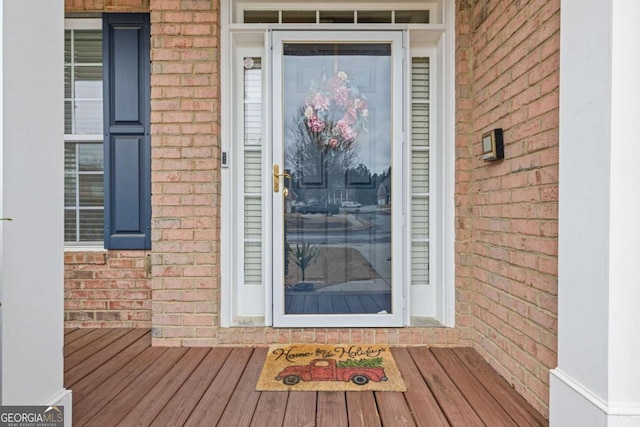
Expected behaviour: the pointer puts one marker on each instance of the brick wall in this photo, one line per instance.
(106, 289)
(508, 76)
(185, 171)
(71, 6)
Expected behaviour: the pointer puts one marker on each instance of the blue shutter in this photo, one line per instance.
(127, 145)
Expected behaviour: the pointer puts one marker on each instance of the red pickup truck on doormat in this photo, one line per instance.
(330, 370)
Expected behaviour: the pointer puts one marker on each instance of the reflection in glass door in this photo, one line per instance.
(334, 237)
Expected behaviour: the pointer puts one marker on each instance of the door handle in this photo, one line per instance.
(6, 219)
(276, 178)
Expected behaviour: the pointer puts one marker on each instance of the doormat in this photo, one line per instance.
(318, 367)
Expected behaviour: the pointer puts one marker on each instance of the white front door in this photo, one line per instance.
(337, 178)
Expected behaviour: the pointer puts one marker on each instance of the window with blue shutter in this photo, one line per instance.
(127, 145)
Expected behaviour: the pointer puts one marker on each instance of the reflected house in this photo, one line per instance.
(384, 193)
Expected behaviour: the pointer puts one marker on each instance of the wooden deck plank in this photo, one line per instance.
(86, 366)
(423, 404)
(270, 409)
(362, 410)
(453, 403)
(393, 409)
(178, 409)
(487, 408)
(242, 404)
(93, 347)
(124, 402)
(101, 374)
(74, 334)
(332, 409)
(69, 330)
(515, 405)
(301, 409)
(152, 403)
(85, 340)
(103, 393)
(215, 399)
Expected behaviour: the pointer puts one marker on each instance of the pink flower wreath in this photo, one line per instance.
(335, 112)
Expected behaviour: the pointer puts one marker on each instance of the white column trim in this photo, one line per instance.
(611, 408)
(63, 398)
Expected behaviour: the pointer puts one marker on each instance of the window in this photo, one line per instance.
(83, 159)
(107, 143)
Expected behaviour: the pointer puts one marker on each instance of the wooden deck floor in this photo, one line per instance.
(117, 378)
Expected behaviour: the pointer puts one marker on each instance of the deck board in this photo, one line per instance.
(128, 382)
(242, 404)
(423, 404)
(96, 400)
(101, 374)
(270, 410)
(362, 409)
(215, 399)
(97, 337)
(81, 363)
(332, 409)
(453, 403)
(487, 408)
(125, 401)
(393, 409)
(517, 407)
(301, 409)
(74, 334)
(179, 408)
(152, 403)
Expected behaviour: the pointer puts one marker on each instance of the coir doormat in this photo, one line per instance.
(317, 367)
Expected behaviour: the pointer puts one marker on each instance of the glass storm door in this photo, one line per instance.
(336, 178)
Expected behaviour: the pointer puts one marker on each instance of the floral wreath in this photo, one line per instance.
(335, 112)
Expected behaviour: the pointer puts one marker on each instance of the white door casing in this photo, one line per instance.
(246, 293)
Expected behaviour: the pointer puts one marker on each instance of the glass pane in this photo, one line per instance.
(70, 224)
(68, 125)
(252, 101)
(336, 17)
(88, 106)
(67, 82)
(299, 17)
(69, 190)
(91, 225)
(70, 157)
(374, 17)
(67, 46)
(91, 190)
(337, 112)
(412, 16)
(89, 74)
(88, 46)
(261, 16)
(90, 157)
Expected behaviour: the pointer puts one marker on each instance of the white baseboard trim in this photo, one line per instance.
(571, 403)
(63, 398)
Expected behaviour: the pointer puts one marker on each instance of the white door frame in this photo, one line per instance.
(398, 301)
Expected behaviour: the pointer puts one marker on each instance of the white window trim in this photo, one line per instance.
(442, 153)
